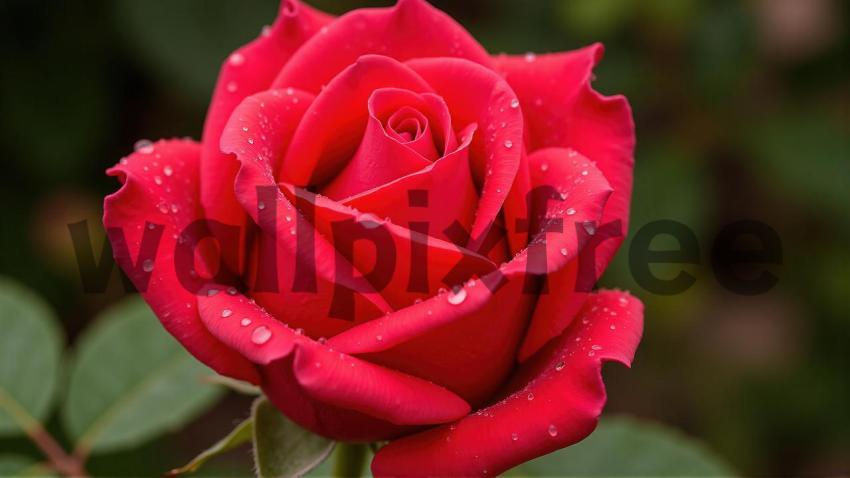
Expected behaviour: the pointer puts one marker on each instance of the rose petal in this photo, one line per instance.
(334, 124)
(160, 190)
(472, 367)
(442, 257)
(445, 187)
(332, 380)
(258, 132)
(410, 29)
(554, 401)
(562, 110)
(476, 94)
(248, 70)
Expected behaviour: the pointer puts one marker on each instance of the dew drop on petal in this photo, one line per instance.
(226, 313)
(514, 436)
(379, 338)
(261, 335)
(232, 87)
(212, 292)
(167, 170)
(147, 266)
(564, 251)
(143, 146)
(553, 431)
(530, 57)
(236, 59)
(457, 297)
(245, 322)
(530, 396)
(509, 144)
(571, 212)
(514, 103)
(560, 366)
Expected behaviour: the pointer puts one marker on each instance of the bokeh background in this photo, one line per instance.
(742, 111)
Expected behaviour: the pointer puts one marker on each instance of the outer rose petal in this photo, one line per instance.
(160, 195)
(562, 169)
(562, 110)
(554, 401)
(410, 29)
(340, 384)
(248, 70)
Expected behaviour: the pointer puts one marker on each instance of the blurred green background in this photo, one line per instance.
(742, 111)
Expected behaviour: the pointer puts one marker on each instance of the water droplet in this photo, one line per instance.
(212, 292)
(226, 313)
(143, 146)
(514, 436)
(613, 327)
(147, 266)
(544, 167)
(530, 396)
(232, 290)
(232, 87)
(596, 347)
(584, 172)
(589, 227)
(290, 91)
(553, 431)
(564, 251)
(379, 338)
(509, 144)
(261, 335)
(237, 59)
(457, 297)
(250, 140)
(530, 57)
(261, 205)
(514, 103)
(560, 366)
(591, 353)
(245, 322)
(299, 331)
(571, 212)
(157, 180)
(167, 170)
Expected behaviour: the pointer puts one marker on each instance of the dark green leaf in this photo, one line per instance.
(131, 381)
(627, 447)
(17, 466)
(30, 348)
(282, 448)
(239, 435)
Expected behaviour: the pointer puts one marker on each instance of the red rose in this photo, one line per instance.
(490, 176)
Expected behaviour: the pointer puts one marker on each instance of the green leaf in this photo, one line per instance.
(238, 386)
(243, 433)
(628, 447)
(30, 349)
(19, 466)
(282, 448)
(131, 382)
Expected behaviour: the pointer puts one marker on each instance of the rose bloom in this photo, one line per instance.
(388, 230)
